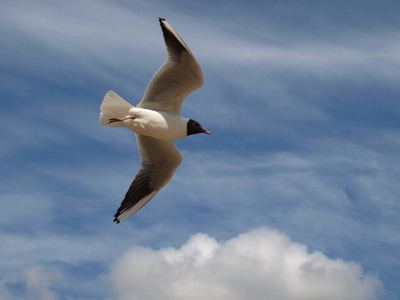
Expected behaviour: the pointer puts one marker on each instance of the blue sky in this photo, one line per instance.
(295, 195)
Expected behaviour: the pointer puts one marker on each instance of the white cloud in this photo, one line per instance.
(305, 193)
(38, 281)
(260, 264)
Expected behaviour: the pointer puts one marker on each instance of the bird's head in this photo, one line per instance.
(194, 127)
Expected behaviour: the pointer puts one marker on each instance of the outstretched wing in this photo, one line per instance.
(159, 160)
(177, 77)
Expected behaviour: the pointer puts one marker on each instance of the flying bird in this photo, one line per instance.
(157, 121)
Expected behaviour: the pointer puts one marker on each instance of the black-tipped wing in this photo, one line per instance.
(159, 160)
(178, 76)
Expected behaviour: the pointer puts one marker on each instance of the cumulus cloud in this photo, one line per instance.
(260, 264)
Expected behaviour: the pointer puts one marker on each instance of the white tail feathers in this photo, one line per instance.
(113, 106)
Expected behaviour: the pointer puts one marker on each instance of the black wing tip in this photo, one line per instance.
(116, 220)
(161, 20)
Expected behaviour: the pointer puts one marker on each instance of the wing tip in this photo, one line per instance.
(116, 220)
(161, 20)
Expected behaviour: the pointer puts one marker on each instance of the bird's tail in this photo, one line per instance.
(113, 106)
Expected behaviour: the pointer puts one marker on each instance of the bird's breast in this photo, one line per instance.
(157, 124)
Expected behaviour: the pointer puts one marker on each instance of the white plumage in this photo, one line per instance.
(113, 106)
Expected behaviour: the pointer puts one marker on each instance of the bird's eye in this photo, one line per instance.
(196, 124)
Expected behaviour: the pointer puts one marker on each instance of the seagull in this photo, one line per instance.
(157, 121)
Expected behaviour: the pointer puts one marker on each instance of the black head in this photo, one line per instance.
(194, 127)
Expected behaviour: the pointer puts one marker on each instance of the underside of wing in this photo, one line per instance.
(177, 77)
(159, 160)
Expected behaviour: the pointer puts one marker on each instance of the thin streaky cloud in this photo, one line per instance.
(302, 103)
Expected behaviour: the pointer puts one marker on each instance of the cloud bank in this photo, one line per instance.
(260, 264)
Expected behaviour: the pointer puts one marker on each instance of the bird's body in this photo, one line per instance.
(158, 124)
(156, 121)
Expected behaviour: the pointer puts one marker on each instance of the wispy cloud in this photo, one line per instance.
(302, 104)
(38, 281)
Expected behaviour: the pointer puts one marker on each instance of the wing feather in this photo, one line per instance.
(159, 160)
(179, 75)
